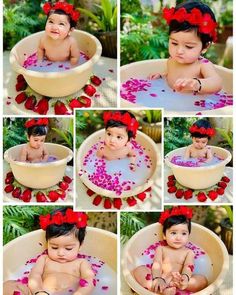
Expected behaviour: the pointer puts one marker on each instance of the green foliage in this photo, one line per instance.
(131, 6)
(229, 210)
(105, 17)
(153, 116)
(66, 135)
(227, 138)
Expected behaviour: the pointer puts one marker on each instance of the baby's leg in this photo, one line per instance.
(197, 283)
(143, 276)
(169, 291)
(10, 286)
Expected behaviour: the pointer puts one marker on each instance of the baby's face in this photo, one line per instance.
(116, 137)
(36, 142)
(177, 235)
(63, 248)
(185, 47)
(199, 143)
(57, 26)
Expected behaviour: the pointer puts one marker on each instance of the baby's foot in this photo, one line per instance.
(169, 291)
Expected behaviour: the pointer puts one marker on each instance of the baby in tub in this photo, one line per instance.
(201, 131)
(173, 263)
(59, 271)
(57, 44)
(34, 151)
(120, 127)
(192, 29)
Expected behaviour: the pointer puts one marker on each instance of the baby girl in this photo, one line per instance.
(59, 272)
(57, 44)
(192, 29)
(120, 127)
(34, 151)
(201, 131)
(173, 263)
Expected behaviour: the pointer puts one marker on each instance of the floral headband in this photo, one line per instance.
(126, 119)
(174, 211)
(36, 122)
(204, 22)
(79, 219)
(66, 7)
(202, 130)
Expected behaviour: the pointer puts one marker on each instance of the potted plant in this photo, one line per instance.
(106, 21)
(227, 229)
(152, 125)
(227, 141)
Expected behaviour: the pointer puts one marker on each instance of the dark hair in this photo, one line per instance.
(54, 230)
(112, 123)
(201, 123)
(175, 26)
(175, 220)
(62, 12)
(38, 130)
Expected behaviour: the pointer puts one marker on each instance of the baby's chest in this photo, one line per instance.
(182, 71)
(70, 268)
(199, 153)
(57, 50)
(113, 155)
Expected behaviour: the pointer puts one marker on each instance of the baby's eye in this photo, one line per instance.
(184, 234)
(108, 133)
(61, 24)
(189, 47)
(174, 43)
(69, 249)
(173, 233)
(50, 22)
(119, 137)
(54, 248)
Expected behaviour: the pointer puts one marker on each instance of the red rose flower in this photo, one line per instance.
(75, 15)
(61, 193)
(172, 189)
(75, 103)
(171, 183)
(97, 200)
(188, 194)
(60, 108)
(131, 201)
(212, 195)
(42, 106)
(44, 221)
(16, 192)
(9, 174)
(225, 179)
(201, 197)
(26, 195)
(168, 14)
(89, 90)
(47, 7)
(20, 78)
(171, 177)
(9, 188)
(90, 192)
(82, 219)
(96, 80)
(9, 180)
(179, 193)
(21, 97)
(58, 218)
(67, 179)
(107, 204)
(30, 102)
(63, 185)
(21, 85)
(148, 189)
(53, 196)
(117, 203)
(220, 191)
(222, 184)
(141, 196)
(85, 101)
(40, 197)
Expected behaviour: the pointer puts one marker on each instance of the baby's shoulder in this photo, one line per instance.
(72, 40)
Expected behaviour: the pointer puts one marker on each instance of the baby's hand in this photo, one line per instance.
(158, 285)
(154, 76)
(132, 167)
(186, 84)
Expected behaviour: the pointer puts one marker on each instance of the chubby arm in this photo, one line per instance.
(74, 52)
(87, 275)
(158, 282)
(100, 151)
(187, 153)
(45, 155)
(23, 154)
(40, 50)
(209, 155)
(211, 81)
(35, 282)
(188, 264)
(132, 156)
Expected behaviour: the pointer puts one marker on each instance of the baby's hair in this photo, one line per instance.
(38, 130)
(176, 26)
(61, 12)
(113, 123)
(54, 230)
(175, 220)
(202, 123)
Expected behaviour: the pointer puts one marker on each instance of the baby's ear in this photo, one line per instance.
(72, 29)
(204, 50)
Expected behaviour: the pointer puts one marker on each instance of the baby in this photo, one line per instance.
(34, 151)
(120, 127)
(59, 271)
(57, 44)
(173, 264)
(201, 132)
(192, 29)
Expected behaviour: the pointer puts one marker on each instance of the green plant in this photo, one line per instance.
(153, 116)
(106, 17)
(66, 135)
(131, 6)
(229, 212)
(227, 136)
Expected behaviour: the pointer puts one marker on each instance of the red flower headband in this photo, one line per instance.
(36, 122)
(204, 22)
(204, 131)
(126, 119)
(174, 211)
(79, 219)
(66, 7)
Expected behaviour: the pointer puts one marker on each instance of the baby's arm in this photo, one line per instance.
(40, 50)
(23, 154)
(45, 155)
(35, 282)
(209, 155)
(187, 153)
(158, 282)
(87, 275)
(74, 52)
(100, 151)
(132, 156)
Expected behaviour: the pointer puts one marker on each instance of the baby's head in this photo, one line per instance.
(176, 226)
(201, 131)
(61, 19)
(37, 130)
(192, 29)
(65, 232)
(120, 127)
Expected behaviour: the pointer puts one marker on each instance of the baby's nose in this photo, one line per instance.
(180, 49)
(60, 252)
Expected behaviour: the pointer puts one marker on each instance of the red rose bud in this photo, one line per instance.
(63, 185)
(188, 194)
(90, 192)
(222, 184)
(9, 174)
(95, 80)
(89, 90)
(53, 196)
(20, 78)
(172, 189)
(201, 197)
(26, 195)
(30, 102)
(75, 103)
(117, 203)
(85, 101)
(171, 177)
(141, 196)
(42, 106)
(171, 183)
(9, 180)
(67, 179)
(225, 179)
(148, 189)
(60, 108)
(61, 193)
(21, 97)
(179, 193)
(107, 204)
(21, 85)
(9, 188)
(16, 192)
(40, 197)
(97, 200)
(131, 201)
(212, 195)
(220, 191)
